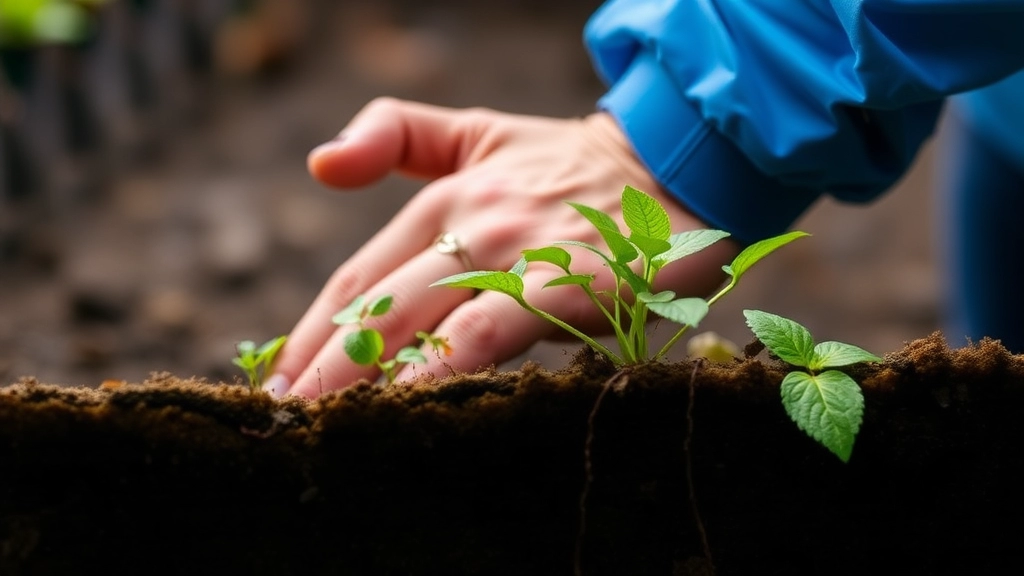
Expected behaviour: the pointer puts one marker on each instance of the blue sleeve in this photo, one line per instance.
(749, 110)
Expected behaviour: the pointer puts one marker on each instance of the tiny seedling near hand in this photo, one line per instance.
(257, 362)
(365, 346)
(826, 404)
(650, 246)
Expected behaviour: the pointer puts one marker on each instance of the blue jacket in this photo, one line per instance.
(749, 110)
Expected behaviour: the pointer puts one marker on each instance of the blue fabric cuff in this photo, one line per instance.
(702, 168)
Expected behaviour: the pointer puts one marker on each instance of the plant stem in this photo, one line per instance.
(568, 328)
(675, 337)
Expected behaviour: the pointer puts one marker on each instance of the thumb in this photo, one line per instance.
(388, 134)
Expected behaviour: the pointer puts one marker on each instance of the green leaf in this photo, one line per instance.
(380, 305)
(364, 346)
(663, 296)
(755, 252)
(623, 272)
(245, 363)
(834, 354)
(351, 314)
(519, 268)
(829, 407)
(644, 215)
(551, 254)
(410, 355)
(599, 219)
(686, 243)
(687, 311)
(785, 338)
(622, 250)
(650, 247)
(246, 347)
(619, 269)
(505, 282)
(271, 347)
(571, 280)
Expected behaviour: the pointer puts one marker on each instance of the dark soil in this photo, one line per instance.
(484, 474)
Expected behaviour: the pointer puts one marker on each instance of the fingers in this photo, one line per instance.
(405, 237)
(415, 307)
(417, 139)
(492, 327)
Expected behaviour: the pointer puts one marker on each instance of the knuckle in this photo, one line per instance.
(477, 327)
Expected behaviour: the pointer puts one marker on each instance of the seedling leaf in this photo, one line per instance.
(636, 283)
(755, 252)
(551, 254)
(685, 311)
(686, 243)
(619, 246)
(269, 349)
(829, 407)
(519, 268)
(663, 296)
(380, 305)
(599, 219)
(835, 354)
(644, 215)
(410, 355)
(571, 280)
(364, 346)
(508, 283)
(785, 338)
(650, 247)
(351, 314)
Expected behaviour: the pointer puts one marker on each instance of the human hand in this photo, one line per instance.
(499, 183)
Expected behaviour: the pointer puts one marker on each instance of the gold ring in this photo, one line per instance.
(447, 243)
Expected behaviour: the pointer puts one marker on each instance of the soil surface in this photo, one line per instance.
(658, 469)
(190, 224)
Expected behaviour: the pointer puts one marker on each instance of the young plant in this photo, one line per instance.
(826, 404)
(256, 362)
(365, 346)
(649, 247)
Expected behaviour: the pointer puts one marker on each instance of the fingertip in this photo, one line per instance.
(277, 385)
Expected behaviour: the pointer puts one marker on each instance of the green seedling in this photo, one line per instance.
(826, 404)
(257, 362)
(365, 346)
(634, 262)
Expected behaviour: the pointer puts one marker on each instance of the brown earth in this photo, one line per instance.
(521, 472)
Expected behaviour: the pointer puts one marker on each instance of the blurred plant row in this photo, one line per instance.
(87, 86)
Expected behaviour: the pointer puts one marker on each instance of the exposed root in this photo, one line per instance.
(617, 381)
(689, 469)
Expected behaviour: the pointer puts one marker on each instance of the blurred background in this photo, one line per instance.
(155, 208)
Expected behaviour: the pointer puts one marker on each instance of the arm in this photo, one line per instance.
(765, 105)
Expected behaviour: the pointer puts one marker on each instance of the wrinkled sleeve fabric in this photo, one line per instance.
(749, 110)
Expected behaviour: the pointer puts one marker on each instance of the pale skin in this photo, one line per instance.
(499, 182)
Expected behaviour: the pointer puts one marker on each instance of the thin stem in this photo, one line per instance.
(671, 342)
(568, 328)
(613, 320)
(675, 337)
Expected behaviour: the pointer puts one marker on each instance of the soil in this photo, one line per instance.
(531, 471)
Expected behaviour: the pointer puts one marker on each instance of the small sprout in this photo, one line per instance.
(257, 362)
(651, 245)
(826, 404)
(365, 346)
(439, 344)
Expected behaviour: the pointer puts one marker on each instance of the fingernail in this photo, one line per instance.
(277, 385)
